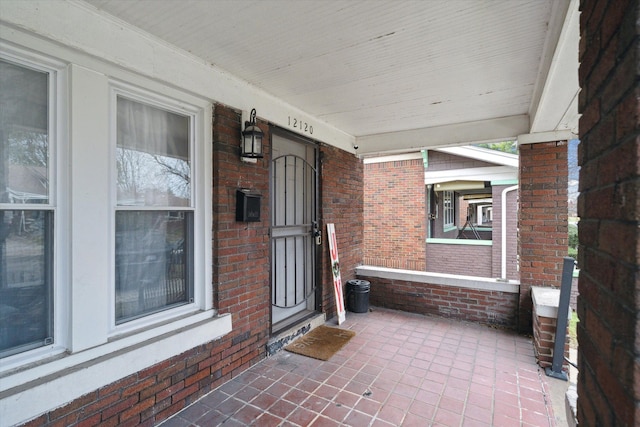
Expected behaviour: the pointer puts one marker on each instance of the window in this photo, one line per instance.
(79, 237)
(103, 218)
(154, 212)
(26, 208)
(448, 213)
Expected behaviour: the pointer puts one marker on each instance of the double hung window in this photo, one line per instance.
(103, 216)
(448, 209)
(154, 209)
(27, 207)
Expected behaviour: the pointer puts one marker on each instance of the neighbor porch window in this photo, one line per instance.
(448, 212)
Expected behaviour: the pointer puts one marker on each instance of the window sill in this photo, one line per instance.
(63, 379)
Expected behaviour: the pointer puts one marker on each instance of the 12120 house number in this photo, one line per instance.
(300, 125)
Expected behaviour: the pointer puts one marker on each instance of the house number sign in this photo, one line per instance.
(300, 126)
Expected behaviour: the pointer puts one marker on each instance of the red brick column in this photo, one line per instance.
(609, 210)
(240, 249)
(545, 321)
(341, 203)
(542, 222)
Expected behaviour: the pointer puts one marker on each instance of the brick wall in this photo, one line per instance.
(394, 214)
(608, 206)
(474, 305)
(467, 260)
(240, 283)
(241, 287)
(544, 338)
(241, 249)
(542, 222)
(342, 201)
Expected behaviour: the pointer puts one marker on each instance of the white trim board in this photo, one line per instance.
(468, 282)
(54, 384)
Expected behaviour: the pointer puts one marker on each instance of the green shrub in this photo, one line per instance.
(573, 333)
(573, 241)
(573, 236)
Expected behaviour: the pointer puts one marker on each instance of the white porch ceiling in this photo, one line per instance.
(398, 75)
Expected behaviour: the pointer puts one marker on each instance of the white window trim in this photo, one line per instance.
(196, 114)
(48, 377)
(58, 178)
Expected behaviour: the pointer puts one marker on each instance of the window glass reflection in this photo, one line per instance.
(152, 262)
(152, 157)
(25, 282)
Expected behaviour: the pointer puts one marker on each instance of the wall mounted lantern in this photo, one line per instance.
(251, 145)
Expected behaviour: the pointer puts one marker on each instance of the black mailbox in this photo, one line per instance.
(247, 206)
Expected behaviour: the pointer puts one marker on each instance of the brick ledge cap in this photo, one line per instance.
(545, 301)
(469, 282)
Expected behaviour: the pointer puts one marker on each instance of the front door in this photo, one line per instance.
(293, 224)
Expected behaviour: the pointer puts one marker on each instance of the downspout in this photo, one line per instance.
(425, 164)
(503, 262)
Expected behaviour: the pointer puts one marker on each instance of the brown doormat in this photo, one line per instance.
(321, 343)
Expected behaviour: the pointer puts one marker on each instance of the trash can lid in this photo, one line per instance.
(359, 284)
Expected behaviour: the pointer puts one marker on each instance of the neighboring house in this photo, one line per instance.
(466, 190)
(452, 200)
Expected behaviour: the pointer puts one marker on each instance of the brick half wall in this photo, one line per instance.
(476, 299)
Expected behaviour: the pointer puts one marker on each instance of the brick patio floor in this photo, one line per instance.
(399, 370)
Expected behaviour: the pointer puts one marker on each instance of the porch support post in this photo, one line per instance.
(609, 208)
(542, 220)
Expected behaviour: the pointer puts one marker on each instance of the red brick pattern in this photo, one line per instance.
(609, 228)
(241, 287)
(466, 260)
(543, 215)
(394, 215)
(544, 332)
(474, 305)
(240, 249)
(342, 201)
(400, 369)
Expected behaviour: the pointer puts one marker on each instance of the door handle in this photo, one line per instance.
(317, 235)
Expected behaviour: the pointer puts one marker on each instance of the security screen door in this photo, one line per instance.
(293, 224)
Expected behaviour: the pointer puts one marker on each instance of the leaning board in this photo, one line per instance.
(335, 270)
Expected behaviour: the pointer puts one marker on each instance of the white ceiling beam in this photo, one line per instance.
(393, 158)
(553, 105)
(484, 154)
(491, 130)
(534, 138)
(487, 173)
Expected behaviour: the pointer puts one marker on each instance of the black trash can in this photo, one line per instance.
(358, 295)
